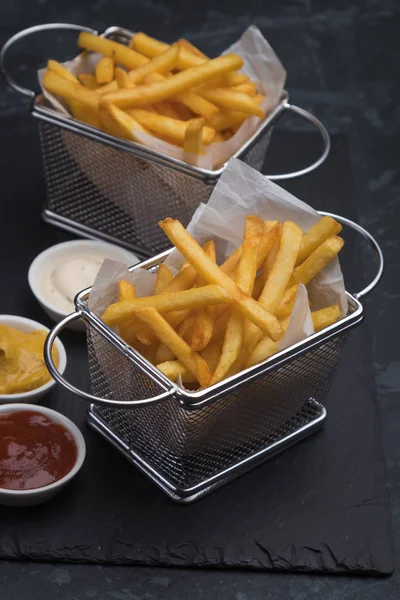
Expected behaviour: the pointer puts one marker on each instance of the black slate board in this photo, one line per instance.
(319, 507)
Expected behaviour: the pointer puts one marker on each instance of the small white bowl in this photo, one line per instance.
(38, 495)
(41, 263)
(27, 325)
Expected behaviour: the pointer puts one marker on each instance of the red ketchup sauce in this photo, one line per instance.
(34, 451)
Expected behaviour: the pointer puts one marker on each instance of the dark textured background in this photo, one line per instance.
(342, 65)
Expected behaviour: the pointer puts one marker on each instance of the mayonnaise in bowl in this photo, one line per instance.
(60, 272)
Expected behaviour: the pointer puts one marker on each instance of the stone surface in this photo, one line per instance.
(342, 63)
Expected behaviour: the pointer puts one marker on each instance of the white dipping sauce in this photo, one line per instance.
(68, 275)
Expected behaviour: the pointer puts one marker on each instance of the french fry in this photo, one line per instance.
(164, 353)
(128, 58)
(166, 127)
(227, 119)
(60, 70)
(322, 230)
(218, 138)
(230, 98)
(317, 260)
(191, 250)
(185, 44)
(151, 47)
(109, 125)
(155, 92)
(167, 109)
(161, 64)
(164, 276)
(121, 311)
(184, 280)
(190, 99)
(193, 142)
(286, 304)
(325, 316)
(283, 266)
(126, 122)
(184, 112)
(107, 88)
(246, 274)
(166, 334)
(265, 348)
(249, 88)
(121, 77)
(88, 81)
(203, 324)
(173, 369)
(69, 90)
(104, 70)
(126, 291)
(274, 288)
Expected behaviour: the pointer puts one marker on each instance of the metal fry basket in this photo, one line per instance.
(99, 186)
(190, 443)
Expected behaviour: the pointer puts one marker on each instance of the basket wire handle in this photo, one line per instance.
(48, 347)
(325, 138)
(24, 33)
(372, 242)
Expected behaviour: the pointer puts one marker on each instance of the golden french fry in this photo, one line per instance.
(128, 58)
(104, 70)
(191, 250)
(227, 119)
(164, 353)
(154, 92)
(317, 260)
(185, 44)
(184, 112)
(246, 274)
(193, 136)
(229, 98)
(203, 324)
(218, 138)
(211, 354)
(126, 122)
(189, 99)
(126, 291)
(173, 369)
(167, 109)
(286, 304)
(83, 113)
(107, 88)
(249, 88)
(151, 47)
(166, 334)
(325, 316)
(121, 311)
(184, 280)
(88, 81)
(164, 276)
(60, 86)
(258, 98)
(322, 230)
(166, 127)
(160, 64)
(121, 77)
(60, 70)
(283, 266)
(265, 348)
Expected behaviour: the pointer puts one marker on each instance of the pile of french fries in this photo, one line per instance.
(175, 92)
(209, 322)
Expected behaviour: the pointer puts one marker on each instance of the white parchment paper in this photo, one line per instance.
(239, 192)
(260, 63)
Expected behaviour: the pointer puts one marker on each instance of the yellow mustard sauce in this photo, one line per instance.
(22, 366)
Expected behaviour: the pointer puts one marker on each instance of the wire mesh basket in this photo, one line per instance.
(103, 187)
(189, 443)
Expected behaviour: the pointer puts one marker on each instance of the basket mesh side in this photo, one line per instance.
(187, 447)
(118, 194)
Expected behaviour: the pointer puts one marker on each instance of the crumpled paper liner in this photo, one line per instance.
(260, 63)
